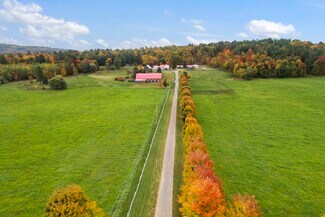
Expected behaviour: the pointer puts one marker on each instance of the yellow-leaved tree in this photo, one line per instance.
(72, 201)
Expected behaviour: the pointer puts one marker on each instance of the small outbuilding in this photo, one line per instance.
(148, 77)
(163, 67)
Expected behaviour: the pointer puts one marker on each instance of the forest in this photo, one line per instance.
(265, 58)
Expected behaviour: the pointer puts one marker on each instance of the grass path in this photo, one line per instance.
(164, 207)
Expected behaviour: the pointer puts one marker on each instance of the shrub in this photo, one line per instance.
(58, 83)
(120, 79)
(165, 83)
(45, 80)
(248, 74)
(184, 83)
(183, 78)
(191, 133)
(187, 107)
(244, 206)
(196, 145)
(197, 166)
(72, 201)
(188, 110)
(186, 92)
(189, 120)
(186, 87)
(2, 80)
(37, 72)
(182, 101)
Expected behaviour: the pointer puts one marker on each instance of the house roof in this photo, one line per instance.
(148, 76)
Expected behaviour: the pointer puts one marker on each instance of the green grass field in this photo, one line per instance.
(91, 134)
(267, 138)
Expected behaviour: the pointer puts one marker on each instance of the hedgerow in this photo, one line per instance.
(201, 192)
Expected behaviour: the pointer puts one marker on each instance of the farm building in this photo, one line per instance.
(195, 66)
(148, 77)
(163, 67)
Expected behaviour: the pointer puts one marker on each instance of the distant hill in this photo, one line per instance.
(10, 48)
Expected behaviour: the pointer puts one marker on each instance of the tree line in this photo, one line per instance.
(244, 59)
(45, 71)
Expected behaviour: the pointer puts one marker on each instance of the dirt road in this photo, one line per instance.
(164, 206)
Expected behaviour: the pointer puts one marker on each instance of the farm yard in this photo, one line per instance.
(158, 110)
(266, 138)
(94, 134)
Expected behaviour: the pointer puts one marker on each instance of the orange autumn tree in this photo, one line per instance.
(202, 198)
(319, 66)
(182, 102)
(245, 206)
(63, 71)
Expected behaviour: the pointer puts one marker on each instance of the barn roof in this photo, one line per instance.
(148, 76)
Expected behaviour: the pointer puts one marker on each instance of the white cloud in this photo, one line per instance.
(41, 41)
(242, 35)
(8, 40)
(83, 42)
(183, 20)
(79, 44)
(199, 27)
(198, 24)
(140, 42)
(134, 43)
(3, 28)
(264, 28)
(163, 42)
(39, 26)
(102, 42)
(125, 44)
(155, 29)
(197, 41)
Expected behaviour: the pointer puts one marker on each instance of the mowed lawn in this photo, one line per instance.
(89, 134)
(267, 138)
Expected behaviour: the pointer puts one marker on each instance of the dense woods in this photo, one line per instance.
(201, 192)
(42, 67)
(245, 59)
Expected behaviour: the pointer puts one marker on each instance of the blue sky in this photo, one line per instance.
(81, 24)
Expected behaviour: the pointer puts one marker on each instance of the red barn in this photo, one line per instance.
(148, 77)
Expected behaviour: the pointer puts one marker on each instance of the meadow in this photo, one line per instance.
(94, 134)
(266, 137)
